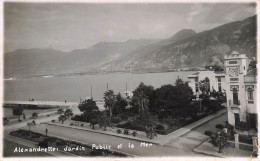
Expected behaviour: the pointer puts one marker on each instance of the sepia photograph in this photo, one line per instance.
(129, 80)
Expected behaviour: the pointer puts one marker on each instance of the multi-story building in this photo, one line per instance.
(241, 84)
(214, 80)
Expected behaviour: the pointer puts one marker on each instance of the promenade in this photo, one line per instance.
(40, 103)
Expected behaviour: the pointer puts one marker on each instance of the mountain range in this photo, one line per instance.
(185, 49)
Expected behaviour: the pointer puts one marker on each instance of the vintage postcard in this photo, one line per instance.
(129, 80)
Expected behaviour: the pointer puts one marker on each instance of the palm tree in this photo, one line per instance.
(142, 102)
(109, 98)
(68, 113)
(60, 111)
(62, 118)
(35, 115)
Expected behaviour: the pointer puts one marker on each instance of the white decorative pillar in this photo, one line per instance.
(255, 144)
(236, 141)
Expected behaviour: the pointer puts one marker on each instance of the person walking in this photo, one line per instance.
(46, 131)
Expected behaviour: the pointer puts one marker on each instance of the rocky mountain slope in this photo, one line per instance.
(184, 49)
(187, 49)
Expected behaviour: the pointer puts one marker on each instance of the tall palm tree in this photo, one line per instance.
(143, 102)
(109, 98)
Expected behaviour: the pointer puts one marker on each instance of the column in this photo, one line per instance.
(236, 141)
(255, 144)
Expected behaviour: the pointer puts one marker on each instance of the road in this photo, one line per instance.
(195, 137)
(182, 146)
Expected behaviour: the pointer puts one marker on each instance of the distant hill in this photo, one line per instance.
(189, 49)
(48, 61)
(184, 49)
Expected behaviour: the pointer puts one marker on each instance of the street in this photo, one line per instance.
(182, 146)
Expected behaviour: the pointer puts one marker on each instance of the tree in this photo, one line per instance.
(90, 111)
(62, 118)
(204, 86)
(109, 98)
(142, 101)
(60, 111)
(141, 98)
(150, 133)
(18, 111)
(120, 105)
(68, 113)
(103, 120)
(169, 100)
(35, 115)
(220, 140)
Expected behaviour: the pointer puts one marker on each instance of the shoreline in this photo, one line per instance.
(47, 76)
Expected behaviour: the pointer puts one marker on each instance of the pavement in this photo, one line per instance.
(11, 127)
(175, 146)
(208, 149)
(188, 139)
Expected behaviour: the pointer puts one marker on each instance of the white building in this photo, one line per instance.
(239, 83)
(215, 80)
(240, 90)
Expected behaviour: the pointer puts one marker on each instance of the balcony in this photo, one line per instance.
(234, 103)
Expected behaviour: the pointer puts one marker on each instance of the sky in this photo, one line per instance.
(69, 26)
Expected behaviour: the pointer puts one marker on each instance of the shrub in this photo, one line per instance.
(48, 115)
(219, 126)
(81, 125)
(116, 120)
(78, 118)
(60, 142)
(49, 139)
(126, 131)
(242, 126)
(20, 120)
(245, 139)
(208, 133)
(52, 121)
(96, 153)
(43, 144)
(119, 131)
(71, 124)
(134, 133)
(160, 127)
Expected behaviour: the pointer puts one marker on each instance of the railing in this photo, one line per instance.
(234, 102)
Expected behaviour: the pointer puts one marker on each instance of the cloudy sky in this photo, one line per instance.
(76, 26)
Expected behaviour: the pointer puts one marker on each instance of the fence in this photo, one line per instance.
(245, 146)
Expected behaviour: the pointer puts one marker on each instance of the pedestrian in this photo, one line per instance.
(46, 131)
(65, 101)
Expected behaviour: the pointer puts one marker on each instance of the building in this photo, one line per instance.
(241, 84)
(238, 81)
(214, 80)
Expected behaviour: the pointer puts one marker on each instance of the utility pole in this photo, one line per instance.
(107, 86)
(126, 90)
(91, 93)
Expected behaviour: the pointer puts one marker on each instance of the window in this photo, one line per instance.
(219, 79)
(207, 84)
(250, 94)
(219, 87)
(232, 62)
(197, 87)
